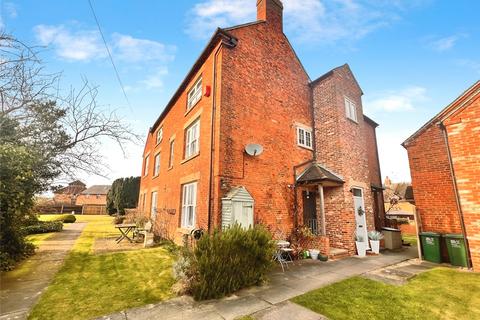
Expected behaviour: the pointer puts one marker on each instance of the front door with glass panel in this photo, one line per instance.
(360, 219)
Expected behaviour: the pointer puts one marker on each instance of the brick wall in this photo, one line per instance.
(265, 94)
(464, 140)
(432, 182)
(341, 147)
(100, 199)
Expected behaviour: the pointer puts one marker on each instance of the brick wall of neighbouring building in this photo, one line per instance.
(433, 185)
(432, 182)
(464, 140)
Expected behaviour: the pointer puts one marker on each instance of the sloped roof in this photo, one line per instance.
(74, 187)
(458, 104)
(97, 189)
(331, 72)
(317, 173)
(239, 193)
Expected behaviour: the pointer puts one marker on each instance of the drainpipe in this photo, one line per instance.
(231, 44)
(457, 196)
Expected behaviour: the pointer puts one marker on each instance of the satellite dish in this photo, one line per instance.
(253, 149)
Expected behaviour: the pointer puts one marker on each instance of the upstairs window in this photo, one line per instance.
(195, 94)
(159, 135)
(170, 158)
(145, 168)
(189, 204)
(304, 137)
(156, 168)
(192, 136)
(350, 109)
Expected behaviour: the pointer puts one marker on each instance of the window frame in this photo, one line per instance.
(194, 95)
(171, 154)
(302, 132)
(156, 166)
(153, 208)
(189, 201)
(159, 136)
(146, 163)
(351, 109)
(188, 152)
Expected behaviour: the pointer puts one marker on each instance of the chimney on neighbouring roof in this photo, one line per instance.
(271, 11)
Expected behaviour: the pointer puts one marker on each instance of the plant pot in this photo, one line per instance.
(361, 248)
(322, 258)
(314, 253)
(375, 246)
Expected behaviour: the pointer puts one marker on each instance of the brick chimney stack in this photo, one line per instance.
(271, 11)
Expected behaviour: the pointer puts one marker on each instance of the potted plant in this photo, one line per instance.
(361, 245)
(375, 237)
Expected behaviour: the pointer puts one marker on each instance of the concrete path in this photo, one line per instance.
(269, 301)
(20, 290)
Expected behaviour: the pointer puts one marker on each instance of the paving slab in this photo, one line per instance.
(20, 291)
(287, 310)
(230, 309)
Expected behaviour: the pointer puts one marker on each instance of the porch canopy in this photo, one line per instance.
(317, 175)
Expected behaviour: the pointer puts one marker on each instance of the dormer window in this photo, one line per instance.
(304, 137)
(195, 94)
(350, 110)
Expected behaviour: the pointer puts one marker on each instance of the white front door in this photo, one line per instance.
(243, 213)
(360, 219)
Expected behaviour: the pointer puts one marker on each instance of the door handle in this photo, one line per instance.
(360, 225)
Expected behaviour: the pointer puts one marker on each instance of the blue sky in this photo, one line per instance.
(411, 58)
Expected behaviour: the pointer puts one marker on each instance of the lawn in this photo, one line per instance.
(90, 285)
(410, 238)
(440, 293)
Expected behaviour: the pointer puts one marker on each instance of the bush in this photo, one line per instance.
(44, 227)
(227, 261)
(66, 218)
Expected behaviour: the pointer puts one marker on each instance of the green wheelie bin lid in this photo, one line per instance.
(430, 234)
(454, 235)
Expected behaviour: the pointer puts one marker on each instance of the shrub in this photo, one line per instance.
(44, 227)
(227, 261)
(68, 218)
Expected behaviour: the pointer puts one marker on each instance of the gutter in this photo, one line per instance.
(457, 196)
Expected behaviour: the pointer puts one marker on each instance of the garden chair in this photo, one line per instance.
(147, 233)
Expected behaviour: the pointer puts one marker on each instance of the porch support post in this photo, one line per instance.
(322, 209)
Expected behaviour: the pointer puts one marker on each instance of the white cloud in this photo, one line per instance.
(132, 49)
(393, 101)
(82, 45)
(445, 43)
(308, 20)
(9, 11)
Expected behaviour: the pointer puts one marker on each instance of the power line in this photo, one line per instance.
(110, 55)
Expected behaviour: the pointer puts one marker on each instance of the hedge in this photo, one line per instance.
(66, 218)
(44, 227)
(229, 260)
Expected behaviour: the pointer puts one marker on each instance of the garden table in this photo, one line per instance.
(125, 229)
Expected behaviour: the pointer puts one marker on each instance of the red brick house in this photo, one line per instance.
(68, 194)
(94, 199)
(248, 137)
(444, 157)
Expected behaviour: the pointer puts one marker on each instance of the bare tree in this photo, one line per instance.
(69, 130)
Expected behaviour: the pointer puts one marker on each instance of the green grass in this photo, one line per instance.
(411, 238)
(440, 293)
(37, 239)
(90, 285)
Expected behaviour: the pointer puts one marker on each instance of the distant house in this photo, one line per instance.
(444, 156)
(68, 195)
(400, 205)
(94, 199)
